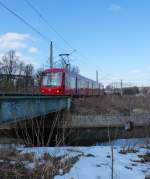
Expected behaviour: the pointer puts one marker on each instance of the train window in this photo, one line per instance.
(67, 80)
(94, 85)
(87, 84)
(90, 85)
(79, 83)
(82, 84)
(52, 79)
(72, 82)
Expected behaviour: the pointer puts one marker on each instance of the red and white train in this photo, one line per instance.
(60, 81)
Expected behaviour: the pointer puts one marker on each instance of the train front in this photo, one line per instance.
(52, 82)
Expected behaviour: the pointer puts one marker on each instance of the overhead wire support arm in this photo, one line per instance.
(64, 57)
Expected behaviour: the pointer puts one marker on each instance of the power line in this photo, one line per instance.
(32, 27)
(27, 24)
(24, 21)
(49, 25)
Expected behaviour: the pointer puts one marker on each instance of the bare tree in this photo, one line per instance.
(9, 68)
(38, 76)
(21, 68)
(14, 74)
(9, 63)
(28, 70)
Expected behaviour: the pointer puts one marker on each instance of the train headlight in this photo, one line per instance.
(57, 91)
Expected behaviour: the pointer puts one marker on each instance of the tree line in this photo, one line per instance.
(16, 76)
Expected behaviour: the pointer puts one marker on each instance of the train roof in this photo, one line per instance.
(54, 70)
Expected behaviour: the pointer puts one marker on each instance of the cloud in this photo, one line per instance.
(114, 7)
(10, 36)
(12, 45)
(33, 50)
(21, 43)
(13, 41)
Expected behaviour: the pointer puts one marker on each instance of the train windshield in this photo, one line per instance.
(52, 79)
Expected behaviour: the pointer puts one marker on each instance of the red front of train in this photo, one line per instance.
(52, 82)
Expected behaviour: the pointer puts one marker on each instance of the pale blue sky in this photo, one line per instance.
(112, 37)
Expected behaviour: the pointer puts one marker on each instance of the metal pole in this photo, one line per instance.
(51, 54)
(121, 89)
(97, 76)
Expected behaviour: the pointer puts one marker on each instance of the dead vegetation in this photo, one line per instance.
(14, 164)
(111, 105)
(125, 150)
(145, 158)
(42, 131)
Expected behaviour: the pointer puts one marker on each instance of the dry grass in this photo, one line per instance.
(16, 165)
(111, 104)
(145, 157)
(125, 150)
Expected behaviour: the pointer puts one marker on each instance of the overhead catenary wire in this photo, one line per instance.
(51, 27)
(24, 21)
(27, 24)
(46, 22)
(31, 26)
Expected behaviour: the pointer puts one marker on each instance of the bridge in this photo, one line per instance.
(16, 107)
